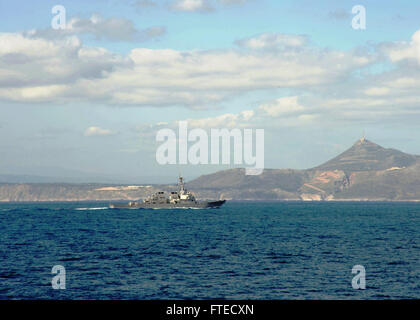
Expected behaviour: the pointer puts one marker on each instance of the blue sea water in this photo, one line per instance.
(244, 250)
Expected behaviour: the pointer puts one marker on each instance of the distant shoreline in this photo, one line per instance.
(234, 201)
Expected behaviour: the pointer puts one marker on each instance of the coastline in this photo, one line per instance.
(230, 200)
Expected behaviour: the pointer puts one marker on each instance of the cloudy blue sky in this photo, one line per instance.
(86, 101)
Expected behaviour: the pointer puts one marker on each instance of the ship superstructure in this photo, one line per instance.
(176, 199)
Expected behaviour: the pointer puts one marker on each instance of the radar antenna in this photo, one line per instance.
(181, 183)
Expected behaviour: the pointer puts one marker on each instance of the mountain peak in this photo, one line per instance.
(366, 155)
(365, 142)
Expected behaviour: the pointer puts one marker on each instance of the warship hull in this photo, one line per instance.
(180, 205)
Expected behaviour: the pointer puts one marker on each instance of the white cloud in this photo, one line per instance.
(320, 83)
(203, 6)
(97, 131)
(227, 120)
(198, 78)
(110, 29)
(404, 82)
(192, 5)
(147, 77)
(33, 93)
(405, 50)
(377, 91)
(282, 106)
(281, 112)
(33, 69)
(273, 41)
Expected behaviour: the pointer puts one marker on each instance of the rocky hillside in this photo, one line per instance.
(366, 171)
(365, 155)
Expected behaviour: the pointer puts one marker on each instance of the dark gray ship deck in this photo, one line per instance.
(179, 205)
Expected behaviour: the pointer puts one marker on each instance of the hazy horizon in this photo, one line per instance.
(64, 175)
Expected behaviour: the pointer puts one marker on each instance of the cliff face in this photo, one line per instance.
(366, 171)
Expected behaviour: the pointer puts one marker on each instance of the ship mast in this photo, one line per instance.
(181, 184)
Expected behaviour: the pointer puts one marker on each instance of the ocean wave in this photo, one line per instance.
(98, 208)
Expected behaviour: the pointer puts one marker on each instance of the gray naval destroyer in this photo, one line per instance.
(176, 199)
